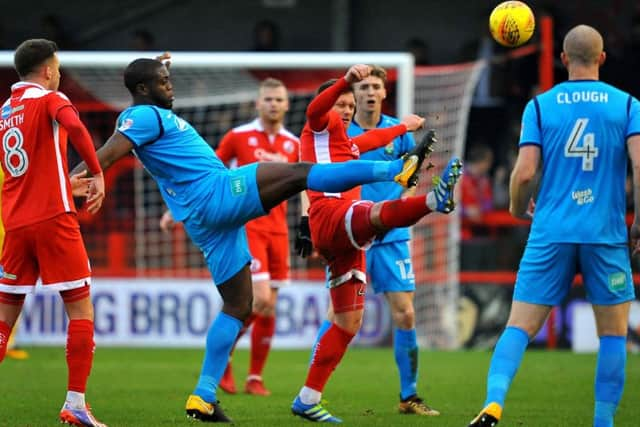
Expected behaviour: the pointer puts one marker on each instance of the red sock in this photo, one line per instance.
(80, 347)
(403, 212)
(263, 329)
(327, 355)
(5, 332)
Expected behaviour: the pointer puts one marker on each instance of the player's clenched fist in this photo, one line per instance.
(357, 72)
(413, 122)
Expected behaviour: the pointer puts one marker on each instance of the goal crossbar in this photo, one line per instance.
(403, 62)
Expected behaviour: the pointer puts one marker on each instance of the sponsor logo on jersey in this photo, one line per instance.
(181, 124)
(126, 124)
(238, 186)
(6, 111)
(6, 275)
(582, 197)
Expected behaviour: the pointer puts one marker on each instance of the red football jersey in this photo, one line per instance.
(33, 156)
(250, 143)
(331, 145)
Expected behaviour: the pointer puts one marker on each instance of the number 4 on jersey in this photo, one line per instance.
(588, 150)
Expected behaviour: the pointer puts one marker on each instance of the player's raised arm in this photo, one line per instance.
(319, 107)
(379, 137)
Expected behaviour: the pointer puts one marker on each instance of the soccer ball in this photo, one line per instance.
(512, 23)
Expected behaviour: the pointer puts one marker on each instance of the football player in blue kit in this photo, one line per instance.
(389, 264)
(582, 132)
(214, 202)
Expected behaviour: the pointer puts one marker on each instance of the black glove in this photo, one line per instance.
(304, 246)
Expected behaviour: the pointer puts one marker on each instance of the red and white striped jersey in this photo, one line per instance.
(250, 143)
(33, 156)
(331, 145)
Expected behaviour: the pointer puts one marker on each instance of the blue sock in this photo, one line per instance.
(342, 176)
(405, 348)
(220, 338)
(326, 324)
(610, 377)
(505, 363)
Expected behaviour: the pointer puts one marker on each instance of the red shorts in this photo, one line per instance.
(52, 250)
(341, 230)
(270, 257)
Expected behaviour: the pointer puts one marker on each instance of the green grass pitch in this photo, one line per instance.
(148, 387)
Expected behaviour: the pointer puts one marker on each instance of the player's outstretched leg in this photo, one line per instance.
(278, 182)
(441, 197)
(413, 160)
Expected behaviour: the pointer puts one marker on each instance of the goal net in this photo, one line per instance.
(216, 92)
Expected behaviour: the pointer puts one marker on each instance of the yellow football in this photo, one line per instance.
(512, 23)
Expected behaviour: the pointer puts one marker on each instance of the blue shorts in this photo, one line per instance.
(389, 267)
(547, 270)
(216, 225)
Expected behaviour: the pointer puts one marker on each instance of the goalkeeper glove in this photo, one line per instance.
(304, 246)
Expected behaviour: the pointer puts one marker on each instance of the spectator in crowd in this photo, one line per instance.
(53, 29)
(476, 201)
(266, 36)
(142, 39)
(419, 49)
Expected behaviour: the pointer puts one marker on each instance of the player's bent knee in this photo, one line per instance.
(405, 319)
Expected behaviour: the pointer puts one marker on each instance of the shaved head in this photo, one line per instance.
(583, 45)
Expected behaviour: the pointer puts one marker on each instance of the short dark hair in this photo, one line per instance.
(141, 70)
(31, 54)
(331, 82)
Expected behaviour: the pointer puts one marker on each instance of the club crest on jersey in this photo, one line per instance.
(126, 124)
(388, 149)
(6, 111)
(253, 141)
(180, 124)
(256, 265)
(288, 146)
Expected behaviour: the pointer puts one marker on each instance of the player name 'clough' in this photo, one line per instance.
(582, 96)
(12, 121)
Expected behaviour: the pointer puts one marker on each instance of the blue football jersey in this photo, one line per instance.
(582, 128)
(173, 152)
(379, 191)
